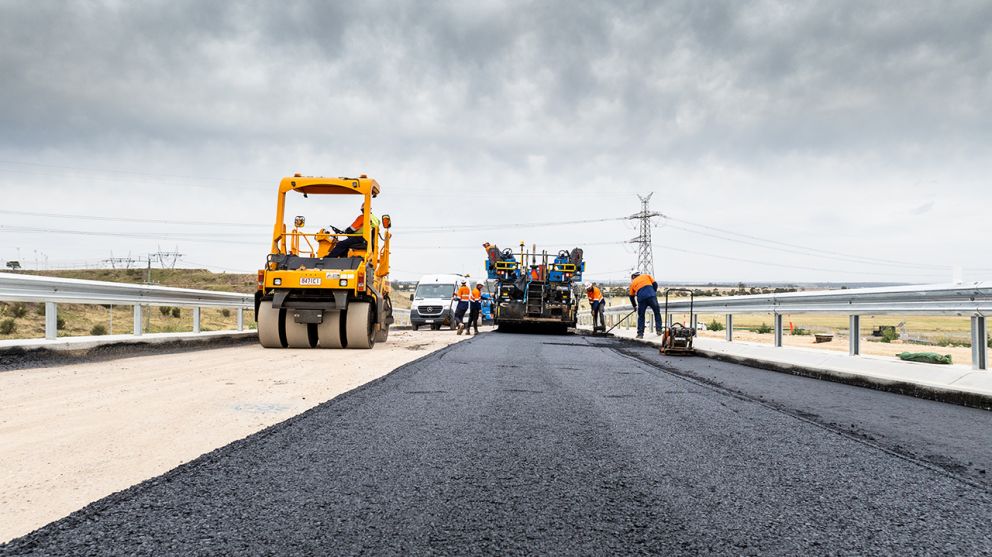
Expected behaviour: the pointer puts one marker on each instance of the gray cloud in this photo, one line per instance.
(725, 100)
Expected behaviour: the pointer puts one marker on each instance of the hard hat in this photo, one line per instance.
(635, 274)
(588, 285)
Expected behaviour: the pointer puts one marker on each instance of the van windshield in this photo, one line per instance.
(435, 290)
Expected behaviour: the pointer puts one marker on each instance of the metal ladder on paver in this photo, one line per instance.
(535, 298)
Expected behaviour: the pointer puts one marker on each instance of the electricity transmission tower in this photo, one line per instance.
(645, 255)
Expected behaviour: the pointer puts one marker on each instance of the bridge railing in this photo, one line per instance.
(972, 300)
(52, 291)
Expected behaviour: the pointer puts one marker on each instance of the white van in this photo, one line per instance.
(432, 304)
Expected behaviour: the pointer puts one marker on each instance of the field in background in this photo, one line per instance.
(28, 320)
(942, 334)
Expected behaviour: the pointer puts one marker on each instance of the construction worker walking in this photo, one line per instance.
(463, 295)
(643, 293)
(598, 306)
(475, 308)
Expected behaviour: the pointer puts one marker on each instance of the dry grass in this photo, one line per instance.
(80, 319)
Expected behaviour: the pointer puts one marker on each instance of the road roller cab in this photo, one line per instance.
(311, 295)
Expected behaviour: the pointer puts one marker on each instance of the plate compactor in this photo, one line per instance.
(677, 338)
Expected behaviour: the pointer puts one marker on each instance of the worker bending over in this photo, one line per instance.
(463, 296)
(643, 295)
(475, 308)
(598, 306)
(353, 242)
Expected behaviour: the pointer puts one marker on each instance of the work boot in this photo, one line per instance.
(641, 335)
(459, 329)
(659, 332)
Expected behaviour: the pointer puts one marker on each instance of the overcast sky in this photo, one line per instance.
(857, 135)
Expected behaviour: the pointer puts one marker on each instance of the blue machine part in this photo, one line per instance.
(487, 307)
(505, 269)
(558, 275)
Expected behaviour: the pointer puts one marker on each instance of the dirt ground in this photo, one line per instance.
(959, 354)
(71, 435)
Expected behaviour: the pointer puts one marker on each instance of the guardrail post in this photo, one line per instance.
(730, 327)
(51, 321)
(694, 322)
(979, 343)
(778, 330)
(854, 330)
(241, 319)
(196, 320)
(137, 320)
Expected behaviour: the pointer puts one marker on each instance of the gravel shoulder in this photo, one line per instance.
(72, 434)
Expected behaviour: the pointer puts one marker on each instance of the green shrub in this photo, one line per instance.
(800, 332)
(888, 335)
(225, 312)
(98, 330)
(165, 310)
(715, 325)
(39, 309)
(176, 312)
(763, 329)
(7, 326)
(60, 323)
(18, 310)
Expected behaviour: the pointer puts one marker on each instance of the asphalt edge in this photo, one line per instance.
(916, 390)
(30, 541)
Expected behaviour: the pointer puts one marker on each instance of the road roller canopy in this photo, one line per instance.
(316, 185)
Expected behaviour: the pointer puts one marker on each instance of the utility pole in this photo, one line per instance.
(645, 255)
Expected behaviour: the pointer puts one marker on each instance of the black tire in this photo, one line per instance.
(415, 327)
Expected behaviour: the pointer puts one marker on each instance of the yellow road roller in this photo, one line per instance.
(327, 288)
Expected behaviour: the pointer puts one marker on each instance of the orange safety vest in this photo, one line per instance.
(476, 295)
(535, 274)
(359, 223)
(640, 282)
(464, 293)
(595, 294)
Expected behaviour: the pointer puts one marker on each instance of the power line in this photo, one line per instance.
(502, 226)
(806, 249)
(132, 219)
(783, 265)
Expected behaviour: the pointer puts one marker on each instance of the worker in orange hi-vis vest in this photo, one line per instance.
(463, 295)
(643, 293)
(474, 309)
(598, 306)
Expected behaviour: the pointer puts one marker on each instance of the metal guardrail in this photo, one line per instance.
(973, 300)
(52, 291)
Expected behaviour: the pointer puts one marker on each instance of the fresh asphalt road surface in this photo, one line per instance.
(571, 444)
